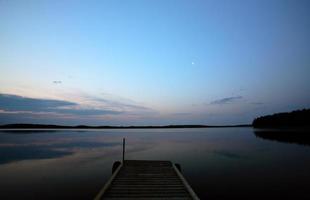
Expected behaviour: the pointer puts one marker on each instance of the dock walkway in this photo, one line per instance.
(141, 179)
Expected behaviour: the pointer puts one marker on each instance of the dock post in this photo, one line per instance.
(123, 149)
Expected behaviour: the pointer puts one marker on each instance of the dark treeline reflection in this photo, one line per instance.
(300, 136)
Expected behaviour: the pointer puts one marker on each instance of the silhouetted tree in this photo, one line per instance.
(298, 118)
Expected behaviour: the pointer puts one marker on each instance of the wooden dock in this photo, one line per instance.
(141, 179)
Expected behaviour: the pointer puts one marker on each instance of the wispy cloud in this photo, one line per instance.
(78, 108)
(226, 100)
(181, 114)
(257, 103)
(87, 111)
(119, 104)
(19, 104)
(124, 105)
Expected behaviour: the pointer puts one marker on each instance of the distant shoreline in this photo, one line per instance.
(43, 126)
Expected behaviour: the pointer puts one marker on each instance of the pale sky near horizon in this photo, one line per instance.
(152, 62)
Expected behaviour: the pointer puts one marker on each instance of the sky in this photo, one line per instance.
(152, 62)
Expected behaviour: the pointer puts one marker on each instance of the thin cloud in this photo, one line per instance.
(123, 105)
(88, 112)
(257, 103)
(182, 114)
(129, 108)
(226, 100)
(18, 104)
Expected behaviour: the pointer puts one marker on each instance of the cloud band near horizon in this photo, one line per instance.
(18, 104)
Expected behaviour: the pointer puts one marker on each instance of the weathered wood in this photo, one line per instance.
(108, 183)
(152, 180)
(123, 150)
(189, 189)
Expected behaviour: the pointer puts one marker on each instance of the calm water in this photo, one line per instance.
(219, 163)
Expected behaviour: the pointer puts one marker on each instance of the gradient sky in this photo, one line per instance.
(152, 62)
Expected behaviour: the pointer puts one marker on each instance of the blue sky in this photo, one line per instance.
(152, 62)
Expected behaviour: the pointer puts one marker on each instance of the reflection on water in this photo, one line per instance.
(289, 136)
(219, 163)
(229, 154)
(15, 153)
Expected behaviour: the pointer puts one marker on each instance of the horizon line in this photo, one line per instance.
(46, 126)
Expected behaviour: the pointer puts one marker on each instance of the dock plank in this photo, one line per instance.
(152, 180)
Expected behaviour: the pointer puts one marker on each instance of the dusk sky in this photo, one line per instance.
(152, 62)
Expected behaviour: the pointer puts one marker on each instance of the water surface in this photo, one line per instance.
(219, 163)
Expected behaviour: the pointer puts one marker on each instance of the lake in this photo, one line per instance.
(219, 163)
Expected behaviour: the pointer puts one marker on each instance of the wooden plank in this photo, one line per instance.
(188, 187)
(151, 198)
(150, 180)
(108, 183)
